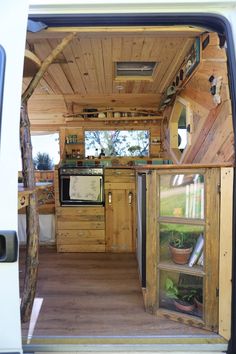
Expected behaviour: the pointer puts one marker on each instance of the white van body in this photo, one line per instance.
(12, 38)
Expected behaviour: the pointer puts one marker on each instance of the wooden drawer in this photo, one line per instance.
(119, 186)
(119, 176)
(69, 223)
(81, 248)
(80, 211)
(81, 237)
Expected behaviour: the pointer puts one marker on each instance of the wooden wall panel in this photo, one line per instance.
(212, 130)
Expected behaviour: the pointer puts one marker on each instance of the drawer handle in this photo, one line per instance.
(109, 198)
(130, 197)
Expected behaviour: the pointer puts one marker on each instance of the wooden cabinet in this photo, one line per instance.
(80, 229)
(183, 213)
(120, 210)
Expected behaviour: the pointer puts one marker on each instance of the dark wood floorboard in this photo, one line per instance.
(94, 294)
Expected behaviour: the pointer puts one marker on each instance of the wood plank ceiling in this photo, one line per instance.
(84, 74)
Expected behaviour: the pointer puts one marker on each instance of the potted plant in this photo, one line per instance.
(198, 299)
(180, 248)
(183, 298)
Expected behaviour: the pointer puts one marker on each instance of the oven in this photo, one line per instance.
(81, 186)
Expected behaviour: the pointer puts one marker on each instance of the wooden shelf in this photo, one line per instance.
(113, 119)
(170, 266)
(74, 144)
(178, 220)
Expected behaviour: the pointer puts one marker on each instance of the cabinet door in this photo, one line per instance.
(183, 246)
(120, 220)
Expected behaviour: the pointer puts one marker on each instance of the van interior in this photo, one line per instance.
(112, 205)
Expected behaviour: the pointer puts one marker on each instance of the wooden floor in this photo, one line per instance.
(94, 294)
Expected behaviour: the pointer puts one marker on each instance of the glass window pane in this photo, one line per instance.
(117, 142)
(182, 196)
(182, 244)
(181, 293)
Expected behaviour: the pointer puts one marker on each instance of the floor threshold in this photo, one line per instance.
(205, 343)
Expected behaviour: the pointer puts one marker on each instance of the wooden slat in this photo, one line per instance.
(80, 237)
(108, 65)
(151, 243)
(81, 248)
(72, 71)
(97, 52)
(52, 104)
(88, 57)
(162, 31)
(216, 135)
(225, 256)
(81, 211)
(211, 248)
(117, 186)
(43, 49)
(183, 318)
(69, 223)
(175, 64)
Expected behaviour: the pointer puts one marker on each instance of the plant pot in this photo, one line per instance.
(180, 255)
(199, 305)
(184, 306)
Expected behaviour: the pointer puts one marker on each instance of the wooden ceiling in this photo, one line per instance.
(83, 75)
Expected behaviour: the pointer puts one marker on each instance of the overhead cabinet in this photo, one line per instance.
(183, 245)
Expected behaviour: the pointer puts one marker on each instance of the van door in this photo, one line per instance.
(13, 19)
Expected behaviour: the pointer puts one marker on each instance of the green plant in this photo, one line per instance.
(190, 295)
(184, 293)
(42, 161)
(171, 289)
(180, 240)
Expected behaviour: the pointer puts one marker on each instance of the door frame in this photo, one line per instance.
(213, 21)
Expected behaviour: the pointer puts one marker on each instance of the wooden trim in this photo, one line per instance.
(211, 249)
(225, 267)
(151, 243)
(178, 220)
(176, 31)
(184, 166)
(184, 318)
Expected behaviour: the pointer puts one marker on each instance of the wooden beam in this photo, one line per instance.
(32, 215)
(176, 31)
(31, 64)
(225, 267)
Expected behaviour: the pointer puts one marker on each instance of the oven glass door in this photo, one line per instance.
(81, 190)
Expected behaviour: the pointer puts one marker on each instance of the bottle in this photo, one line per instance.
(102, 154)
(96, 153)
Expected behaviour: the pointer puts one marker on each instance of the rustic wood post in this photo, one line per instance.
(32, 217)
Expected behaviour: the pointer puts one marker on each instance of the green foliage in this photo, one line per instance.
(134, 150)
(42, 161)
(181, 240)
(118, 142)
(186, 294)
(190, 295)
(171, 289)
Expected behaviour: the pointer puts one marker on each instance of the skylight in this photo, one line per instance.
(135, 69)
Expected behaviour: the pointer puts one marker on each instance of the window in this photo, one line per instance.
(135, 70)
(117, 142)
(180, 127)
(45, 143)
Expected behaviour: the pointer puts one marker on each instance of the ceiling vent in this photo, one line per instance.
(135, 70)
